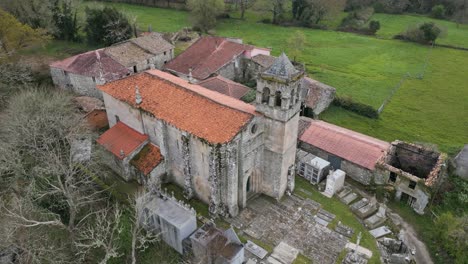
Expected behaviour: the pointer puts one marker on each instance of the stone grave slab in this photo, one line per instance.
(321, 221)
(380, 231)
(345, 191)
(255, 249)
(349, 198)
(360, 250)
(374, 221)
(359, 204)
(366, 211)
(344, 230)
(326, 215)
(284, 253)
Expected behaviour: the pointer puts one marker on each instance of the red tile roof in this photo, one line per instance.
(206, 56)
(93, 64)
(212, 116)
(225, 86)
(122, 138)
(148, 159)
(357, 148)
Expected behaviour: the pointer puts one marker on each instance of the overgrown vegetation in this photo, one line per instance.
(348, 103)
(425, 33)
(107, 26)
(204, 13)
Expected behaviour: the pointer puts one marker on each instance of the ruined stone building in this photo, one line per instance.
(411, 170)
(210, 56)
(81, 73)
(215, 147)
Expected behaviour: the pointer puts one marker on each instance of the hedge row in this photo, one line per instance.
(348, 103)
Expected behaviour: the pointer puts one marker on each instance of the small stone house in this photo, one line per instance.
(217, 148)
(150, 51)
(318, 96)
(81, 73)
(413, 171)
(210, 56)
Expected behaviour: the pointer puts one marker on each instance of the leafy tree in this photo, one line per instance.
(438, 11)
(452, 233)
(204, 12)
(374, 26)
(296, 44)
(430, 31)
(244, 5)
(107, 26)
(35, 13)
(312, 12)
(14, 35)
(276, 7)
(65, 21)
(461, 12)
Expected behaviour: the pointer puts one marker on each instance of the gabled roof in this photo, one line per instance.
(147, 159)
(282, 68)
(153, 42)
(94, 63)
(209, 115)
(225, 86)
(264, 60)
(206, 56)
(136, 50)
(122, 139)
(357, 148)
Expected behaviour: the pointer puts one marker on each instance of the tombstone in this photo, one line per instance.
(167, 217)
(335, 182)
(382, 210)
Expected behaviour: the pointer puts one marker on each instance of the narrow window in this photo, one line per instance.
(278, 99)
(135, 68)
(94, 79)
(293, 93)
(165, 53)
(165, 62)
(412, 185)
(393, 177)
(265, 95)
(117, 119)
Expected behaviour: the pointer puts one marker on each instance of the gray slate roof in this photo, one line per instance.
(282, 67)
(153, 42)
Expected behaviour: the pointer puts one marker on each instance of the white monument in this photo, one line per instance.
(335, 182)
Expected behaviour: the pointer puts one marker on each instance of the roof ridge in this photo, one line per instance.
(207, 92)
(354, 134)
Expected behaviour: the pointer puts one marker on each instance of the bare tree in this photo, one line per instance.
(101, 234)
(244, 5)
(141, 238)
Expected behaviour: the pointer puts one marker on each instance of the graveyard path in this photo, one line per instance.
(422, 255)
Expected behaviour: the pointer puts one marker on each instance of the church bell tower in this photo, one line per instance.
(279, 93)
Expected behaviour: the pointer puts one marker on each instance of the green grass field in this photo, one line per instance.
(433, 109)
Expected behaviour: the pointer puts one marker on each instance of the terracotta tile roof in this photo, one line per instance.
(357, 148)
(153, 42)
(93, 64)
(212, 116)
(264, 60)
(147, 159)
(206, 56)
(225, 86)
(121, 138)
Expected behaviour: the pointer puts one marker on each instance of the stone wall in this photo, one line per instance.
(203, 170)
(80, 84)
(354, 171)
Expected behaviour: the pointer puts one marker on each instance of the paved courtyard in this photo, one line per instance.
(295, 221)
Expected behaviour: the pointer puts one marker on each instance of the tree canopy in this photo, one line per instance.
(204, 13)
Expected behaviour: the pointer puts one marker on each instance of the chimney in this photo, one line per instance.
(122, 153)
(190, 77)
(138, 98)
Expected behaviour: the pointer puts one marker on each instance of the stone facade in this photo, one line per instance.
(259, 159)
(76, 83)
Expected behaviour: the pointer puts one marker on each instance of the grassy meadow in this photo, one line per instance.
(431, 109)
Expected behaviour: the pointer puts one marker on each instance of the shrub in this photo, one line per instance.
(425, 33)
(438, 11)
(348, 103)
(374, 26)
(107, 26)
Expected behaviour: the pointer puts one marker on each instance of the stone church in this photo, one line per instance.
(217, 148)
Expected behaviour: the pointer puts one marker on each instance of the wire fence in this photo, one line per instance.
(406, 76)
